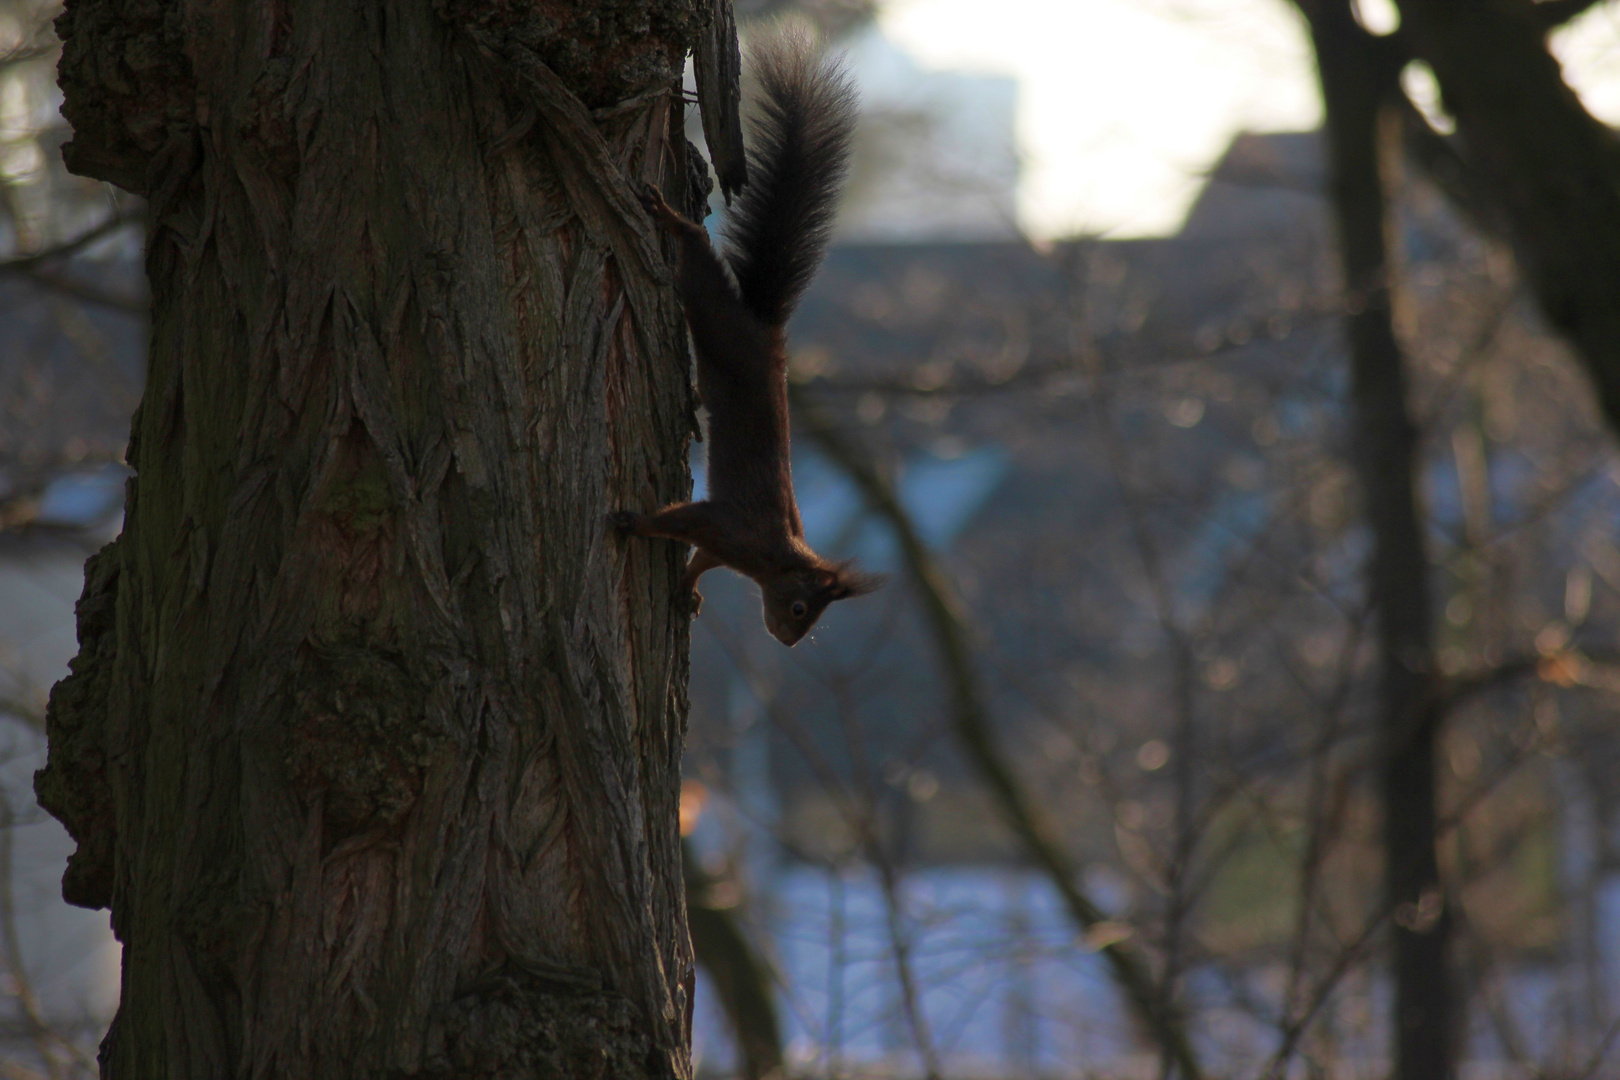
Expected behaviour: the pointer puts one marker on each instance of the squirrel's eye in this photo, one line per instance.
(798, 609)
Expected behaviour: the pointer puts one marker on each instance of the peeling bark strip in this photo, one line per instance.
(717, 64)
(373, 742)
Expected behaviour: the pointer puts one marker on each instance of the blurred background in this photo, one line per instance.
(1100, 785)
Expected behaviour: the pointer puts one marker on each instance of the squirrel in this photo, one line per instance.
(775, 240)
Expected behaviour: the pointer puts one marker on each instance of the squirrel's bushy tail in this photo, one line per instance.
(780, 224)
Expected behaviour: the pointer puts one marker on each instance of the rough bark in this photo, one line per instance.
(1364, 141)
(373, 742)
(1552, 170)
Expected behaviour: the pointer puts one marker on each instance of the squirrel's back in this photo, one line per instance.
(780, 225)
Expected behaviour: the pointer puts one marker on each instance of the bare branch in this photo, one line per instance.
(971, 722)
(26, 263)
(1597, 670)
(85, 291)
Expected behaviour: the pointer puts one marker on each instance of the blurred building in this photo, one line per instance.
(936, 155)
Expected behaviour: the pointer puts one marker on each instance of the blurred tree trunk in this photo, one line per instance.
(1363, 142)
(373, 742)
(1551, 170)
(740, 976)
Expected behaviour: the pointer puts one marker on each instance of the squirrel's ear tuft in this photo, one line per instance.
(853, 582)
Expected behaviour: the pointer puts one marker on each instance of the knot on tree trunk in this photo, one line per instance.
(127, 88)
(74, 785)
(518, 1024)
(360, 736)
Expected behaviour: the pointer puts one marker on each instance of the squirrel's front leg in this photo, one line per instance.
(652, 201)
(704, 525)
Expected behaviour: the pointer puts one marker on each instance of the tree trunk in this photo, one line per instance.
(1363, 140)
(1552, 170)
(373, 742)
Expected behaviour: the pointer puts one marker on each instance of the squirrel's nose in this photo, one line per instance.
(783, 633)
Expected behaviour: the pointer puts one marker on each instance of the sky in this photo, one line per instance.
(1124, 104)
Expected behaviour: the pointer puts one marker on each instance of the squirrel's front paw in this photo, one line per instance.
(652, 201)
(624, 522)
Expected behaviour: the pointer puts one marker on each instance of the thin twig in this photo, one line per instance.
(87, 292)
(23, 264)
